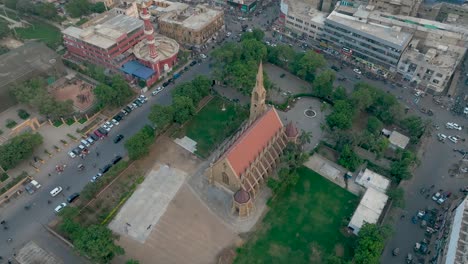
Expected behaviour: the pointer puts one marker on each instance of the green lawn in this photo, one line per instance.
(304, 225)
(211, 125)
(42, 32)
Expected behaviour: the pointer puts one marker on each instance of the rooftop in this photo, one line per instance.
(369, 209)
(457, 248)
(398, 139)
(244, 151)
(306, 11)
(105, 30)
(160, 7)
(391, 35)
(368, 178)
(165, 47)
(192, 17)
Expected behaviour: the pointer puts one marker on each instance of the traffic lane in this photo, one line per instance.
(434, 169)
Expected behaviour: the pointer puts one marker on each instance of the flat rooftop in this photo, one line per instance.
(368, 178)
(193, 18)
(163, 6)
(388, 34)
(105, 30)
(369, 209)
(306, 11)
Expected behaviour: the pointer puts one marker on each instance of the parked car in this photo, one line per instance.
(71, 154)
(73, 197)
(203, 56)
(156, 91)
(128, 109)
(96, 177)
(124, 112)
(118, 138)
(109, 124)
(335, 68)
(453, 139)
(357, 71)
(98, 133)
(76, 151)
(116, 159)
(94, 137)
(106, 168)
(90, 140)
(118, 118)
(441, 136)
(85, 143)
(115, 122)
(436, 196)
(193, 63)
(60, 207)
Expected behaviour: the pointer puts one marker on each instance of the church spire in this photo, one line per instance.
(257, 101)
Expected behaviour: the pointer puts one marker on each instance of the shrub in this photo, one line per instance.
(23, 114)
(11, 123)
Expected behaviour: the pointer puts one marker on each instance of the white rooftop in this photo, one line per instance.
(369, 209)
(398, 139)
(193, 18)
(389, 34)
(370, 179)
(105, 30)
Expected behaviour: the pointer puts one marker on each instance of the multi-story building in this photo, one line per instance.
(456, 246)
(397, 7)
(128, 8)
(379, 47)
(445, 12)
(192, 26)
(430, 65)
(123, 44)
(107, 3)
(303, 20)
(245, 6)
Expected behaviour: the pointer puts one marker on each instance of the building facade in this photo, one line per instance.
(123, 44)
(304, 21)
(456, 246)
(128, 8)
(192, 26)
(245, 162)
(349, 31)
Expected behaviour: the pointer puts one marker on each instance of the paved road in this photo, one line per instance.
(25, 225)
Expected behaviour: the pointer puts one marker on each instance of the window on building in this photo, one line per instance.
(435, 81)
(225, 178)
(439, 75)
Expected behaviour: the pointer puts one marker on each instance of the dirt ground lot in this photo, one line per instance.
(80, 92)
(188, 232)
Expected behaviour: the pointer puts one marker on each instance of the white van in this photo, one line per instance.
(56, 191)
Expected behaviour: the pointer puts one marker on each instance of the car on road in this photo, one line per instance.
(106, 168)
(109, 124)
(98, 133)
(193, 63)
(436, 196)
(203, 56)
(456, 126)
(138, 102)
(90, 140)
(56, 191)
(441, 200)
(118, 117)
(85, 143)
(142, 99)
(94, 137)
(81, 147)
(106, 128)
(357, 71)
(115, 122)
(116, 159)
(60, 207)
(72, 197)
(156, 91)
(453, 139)
(118, 138)
(335, 68)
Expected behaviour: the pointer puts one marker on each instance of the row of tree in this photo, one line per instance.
(78, 8)
(371, 243)
(113, 92)
(18, 148)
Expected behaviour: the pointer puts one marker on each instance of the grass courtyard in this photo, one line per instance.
(211, 125)
(42, 32)
(304, 225)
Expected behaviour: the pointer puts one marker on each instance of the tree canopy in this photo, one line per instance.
(78, 8)
(41, 9)
(18, 149)
(349, 159)
(323, 84)
(370, 244)
(342, 115)
(183, 109)
(114, 95)
(139, 144)
(161, 116)
(306, 64)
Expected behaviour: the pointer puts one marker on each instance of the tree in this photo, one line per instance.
(132, 261)
(306, 65)
(183, 109)
(98, 7)
(415, 126)
(374, 125)
(161, 116)
(46, 10)
(18, 149)
(4, 30)
(256, 34)
(97, 242)
(198, 88)
(77, 8)
(281, 55)
(342, 115)
(363, 97)
(323, 84)
(139, 144)
(305, 137)
(253, 49)
(398, 196)
(339, 94)
(114, 95)
(399, 169)
(349, 159)
(370, 244)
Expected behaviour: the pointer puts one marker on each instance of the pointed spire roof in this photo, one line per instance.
(259, 82)
(291, 130)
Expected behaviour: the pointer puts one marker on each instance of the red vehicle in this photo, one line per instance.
(97, 133)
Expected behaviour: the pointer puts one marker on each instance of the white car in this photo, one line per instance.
(457, 127)
(115, 122)
(453, 139)
(60, 207)
(449, 125)
(109, 124)
(203, 56)
(81, 147)
(108, 129)
(228, 34)
(155, 92)
(71, 154)
(90, 140)
(441, 136)
(357, 71)
(85, 143)
(56, 191)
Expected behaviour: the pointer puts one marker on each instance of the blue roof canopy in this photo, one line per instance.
(137, 69)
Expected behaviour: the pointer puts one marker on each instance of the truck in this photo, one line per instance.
(32, 186)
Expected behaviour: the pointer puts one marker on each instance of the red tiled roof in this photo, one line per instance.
(253, 141)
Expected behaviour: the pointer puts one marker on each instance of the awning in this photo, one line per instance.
(137, 69)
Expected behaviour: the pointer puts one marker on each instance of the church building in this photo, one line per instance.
(250, 156)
